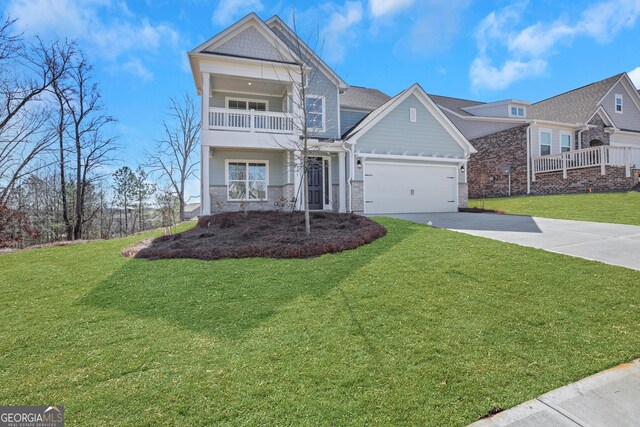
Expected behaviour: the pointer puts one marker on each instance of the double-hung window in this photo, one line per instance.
(517, 111)
(545, 142)
(619, 102)
(565, 142)
(315, 109)
(247, 180)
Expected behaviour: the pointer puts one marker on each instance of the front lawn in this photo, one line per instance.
(617, 208)
(421, 327)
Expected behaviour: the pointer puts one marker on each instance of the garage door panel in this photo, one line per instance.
(410, 188)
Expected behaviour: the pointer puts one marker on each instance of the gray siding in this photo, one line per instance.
(396, 134)
(472, 129)
(277, 164)
(218, 100)
(499, 110)
(252, 44)
(555, 139)
(348, 118)
(320, 85)
(630, 117)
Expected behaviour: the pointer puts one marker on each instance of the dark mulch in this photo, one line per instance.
(266, 234)
(480, 210)
(492, 412)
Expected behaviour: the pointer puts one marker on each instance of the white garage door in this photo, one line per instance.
(410, 188)
(628, 141)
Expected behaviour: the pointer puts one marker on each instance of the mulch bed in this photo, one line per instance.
(268, 234)
(480, 210)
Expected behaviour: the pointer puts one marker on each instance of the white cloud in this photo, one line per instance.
(635, 77)
(528, 49)
(435, 25)
(388, 7)
(110, 30)
(340, 30)
(229, 11)
(137, 68)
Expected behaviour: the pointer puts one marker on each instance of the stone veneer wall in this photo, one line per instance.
(463, 194)
(581, 180)
(357, 196)
(219, 202)
(508, 147)
(595, 133)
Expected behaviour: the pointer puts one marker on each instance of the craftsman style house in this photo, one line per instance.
(587, 139)
(260, 86)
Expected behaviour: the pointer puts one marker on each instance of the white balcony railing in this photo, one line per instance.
(250, 121)
(587, 157)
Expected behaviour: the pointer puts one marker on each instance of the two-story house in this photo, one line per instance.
(587, 139)
(368, 153)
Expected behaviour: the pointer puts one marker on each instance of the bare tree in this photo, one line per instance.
(173, 156)
(27, 71)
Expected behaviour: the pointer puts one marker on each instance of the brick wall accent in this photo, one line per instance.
(357, 196)
(580, 180)
(508, 147)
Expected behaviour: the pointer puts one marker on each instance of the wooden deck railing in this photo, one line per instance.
(250, 121)
(602, 156)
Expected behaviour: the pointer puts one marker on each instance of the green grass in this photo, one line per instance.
(617, 208)
(421, 327)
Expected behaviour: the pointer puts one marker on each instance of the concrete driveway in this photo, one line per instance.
(609, 243)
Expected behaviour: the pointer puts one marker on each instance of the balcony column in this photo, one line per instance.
(297, 179)
(206, 93)
(342, 180)
(204, 182)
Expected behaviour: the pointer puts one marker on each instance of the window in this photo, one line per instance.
(246, 180)
(315, 112)
(246, 104)
(619, 101)
(565, 142)
(545, 142)
(517, 112)
(412, 115)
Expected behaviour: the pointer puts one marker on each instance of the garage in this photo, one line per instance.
(618, 140)
(410, 188)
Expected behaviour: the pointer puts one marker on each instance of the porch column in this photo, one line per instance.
(204, 124)
(297, 180)
(205, 199)
(342, 207)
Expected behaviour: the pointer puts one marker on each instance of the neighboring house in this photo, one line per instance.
(192, 210)
(372, 154)
(587, 139)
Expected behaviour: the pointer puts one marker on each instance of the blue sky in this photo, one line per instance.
(484, 50)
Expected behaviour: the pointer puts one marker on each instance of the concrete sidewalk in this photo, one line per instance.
(608, 398)
(615, 244)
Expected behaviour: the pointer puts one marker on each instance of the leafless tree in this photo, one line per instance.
(27, 72)
(173, 156)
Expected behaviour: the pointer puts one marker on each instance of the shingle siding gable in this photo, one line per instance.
(250, 43)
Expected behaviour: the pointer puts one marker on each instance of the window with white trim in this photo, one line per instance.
(314, 106)
(246, 104)
(412, 115)
(545, 142)
(517, 111)
(247, 180)
(565, 142)
(618, 105)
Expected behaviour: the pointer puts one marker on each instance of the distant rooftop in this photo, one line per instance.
(455, 104)
(363, 98)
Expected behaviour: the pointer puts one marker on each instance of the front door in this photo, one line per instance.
(314, 181)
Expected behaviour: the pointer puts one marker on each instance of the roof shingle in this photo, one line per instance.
(362, 98)
(455, 104)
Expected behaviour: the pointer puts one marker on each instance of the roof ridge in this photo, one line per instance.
(617, 76)
(456, 98)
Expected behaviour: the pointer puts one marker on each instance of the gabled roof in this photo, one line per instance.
(379, 113)
(455, 104)
(362, 98)
(276, 21)
(575, 106)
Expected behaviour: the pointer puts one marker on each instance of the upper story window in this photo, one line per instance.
(315, 108)
(565, 142)
(545, 142)
(247, 104)
(516, 111)
(619, 102)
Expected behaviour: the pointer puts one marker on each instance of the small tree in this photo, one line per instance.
(168, 204)
(174, 156)
(124, 187)
(143, 190)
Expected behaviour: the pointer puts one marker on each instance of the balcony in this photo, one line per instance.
(602, 156)
(250, 121)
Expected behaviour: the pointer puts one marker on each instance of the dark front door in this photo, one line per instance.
(314, 181)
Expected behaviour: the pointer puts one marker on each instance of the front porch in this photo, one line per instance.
(594, 157)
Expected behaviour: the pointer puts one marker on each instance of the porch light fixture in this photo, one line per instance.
(461, 168)
(359, 163)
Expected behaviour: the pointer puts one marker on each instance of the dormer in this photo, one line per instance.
(511, 108)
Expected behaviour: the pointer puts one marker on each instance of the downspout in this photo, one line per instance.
(529, 159)
(350, 175)
(579, 139)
